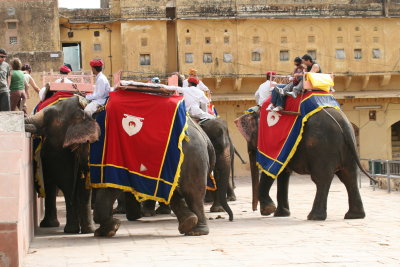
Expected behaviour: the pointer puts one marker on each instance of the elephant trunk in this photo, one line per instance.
(34, 122)
(255, 180)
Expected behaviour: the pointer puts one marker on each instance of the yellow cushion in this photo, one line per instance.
(321, 81)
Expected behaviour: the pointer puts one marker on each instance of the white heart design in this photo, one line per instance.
(132, 124)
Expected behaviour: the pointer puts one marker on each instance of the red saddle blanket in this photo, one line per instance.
(279, 134)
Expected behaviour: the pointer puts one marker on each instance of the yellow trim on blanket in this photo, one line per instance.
(299, 138)
(270, 157)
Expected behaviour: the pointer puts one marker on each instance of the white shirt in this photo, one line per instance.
(194, 100)
(101, 89)
(263, 92)
(200, 86)
(42, 92)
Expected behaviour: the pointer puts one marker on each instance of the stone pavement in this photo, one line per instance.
(251, 240)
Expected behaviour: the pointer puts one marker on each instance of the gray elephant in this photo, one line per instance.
(217, 131)
(66, 132)
(327, 148)
(187, 199)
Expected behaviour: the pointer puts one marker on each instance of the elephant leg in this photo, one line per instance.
(196, 205)
(121, 205)
(209, 198)
(50, 212)
(131, 206)
(105, 198)
(163, 209)
(322, 179)
(282, 195)
(148, 208)
(231, 196)
(186, 218)
(85, 212)
(72, 224)
(356, 208)
(216, 206)
(267, 205)
(93, 198)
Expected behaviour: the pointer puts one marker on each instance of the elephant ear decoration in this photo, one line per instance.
(85, 130)
(246, 125)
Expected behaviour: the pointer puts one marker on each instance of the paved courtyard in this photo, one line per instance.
(250, 240)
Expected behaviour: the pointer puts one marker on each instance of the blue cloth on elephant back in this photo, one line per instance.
(280, 134)
(140, 147)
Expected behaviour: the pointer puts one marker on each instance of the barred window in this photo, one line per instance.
(357, 54)
(144, 59)
(340, 54)
(228, 58)
(13, 40)
(207, 58)
(255, 56)
(188, 57)
(376, 53)
(284, 55)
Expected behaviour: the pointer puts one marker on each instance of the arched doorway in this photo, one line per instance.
(357, 134)
(396, 141)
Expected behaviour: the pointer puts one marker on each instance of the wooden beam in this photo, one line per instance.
(365, 81)
(238, 84)
(385, 79)
(347, 81)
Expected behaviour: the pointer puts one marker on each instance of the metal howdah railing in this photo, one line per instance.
(388, 169)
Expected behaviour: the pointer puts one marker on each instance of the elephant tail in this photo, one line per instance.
(349, 139)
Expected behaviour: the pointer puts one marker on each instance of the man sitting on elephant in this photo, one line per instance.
(195, 100)
(101, 90)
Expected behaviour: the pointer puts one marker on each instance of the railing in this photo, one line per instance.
(382, 168)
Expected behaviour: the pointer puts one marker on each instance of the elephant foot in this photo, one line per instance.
(267, 209)
(71, 229)
(231, 197)
(187, 224)
(108, 229)
(119, 210)
(133, 217)
(49, 223)
(163, 209)
(355, 215)
(217, 208)
(282, 212)
(201, 229)
(87, 229)
(316, 217)
(148, 212)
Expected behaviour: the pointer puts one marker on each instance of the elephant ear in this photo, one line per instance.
(246, 125)
(86, 131)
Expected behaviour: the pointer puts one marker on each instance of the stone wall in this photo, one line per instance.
(17, 197)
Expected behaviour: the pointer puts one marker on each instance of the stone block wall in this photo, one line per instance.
(17, 197)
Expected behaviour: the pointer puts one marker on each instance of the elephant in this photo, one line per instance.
(217, 131)
(327, 148)
(187, 199)
(66, 133)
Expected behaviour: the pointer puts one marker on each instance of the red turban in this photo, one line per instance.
(271, 73)
(65, 69)
(96, 63)
(193, 80)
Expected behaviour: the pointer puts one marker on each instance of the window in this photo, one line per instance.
(339, 40)
(187, 30)
(357, 54)
(188, 57)
(339, 29)
(188, 41)
(311, 39)
(375, 39)
(144, 59)
(11, 25)
(375, 28)
(143, 41)
(96, 33)
(312, 53)
(340, 54)
(256, 39)
(283, 40)
(97, 47)
(376, 53)
(207, 40)
(255, 56)
(284, 55)
(207, 58)
(228, 57)
(13, 40)
(226, 40)
(357, 29)
(358, 39)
